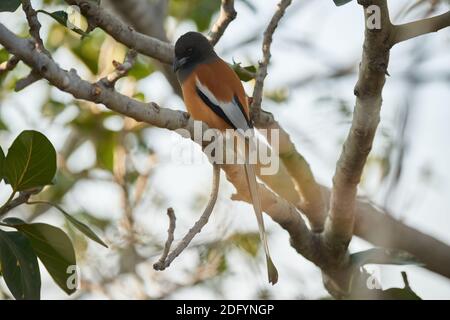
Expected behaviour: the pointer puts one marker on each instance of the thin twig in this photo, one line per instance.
(9, 65)
(170, 237)
(34, 24)
(121, 69)
(31, 78)
(227, 14)
(263, 65)
(35, 28)
(163, 264)
(21, 199)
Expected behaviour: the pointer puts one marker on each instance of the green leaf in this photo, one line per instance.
(244, 73)
(77, 224)
(2, 161)
(383, 256)
(31, 161)
(53, 247)
(19, 266)
(52, 108)
(341, 2)
(9, 5)
(141, 69)
(3, 125)
(84, 229)
(248, 242)
(4, 55)
(361, 290)
(199, 11)
(106, 146)
(62, 18)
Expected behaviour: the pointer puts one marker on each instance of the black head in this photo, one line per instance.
(190, 49)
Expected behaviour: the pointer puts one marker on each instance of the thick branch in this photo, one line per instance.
(148, 18)
(227, 14)
(366, 116)
(144, 44)
(312, 202)
(418, 28)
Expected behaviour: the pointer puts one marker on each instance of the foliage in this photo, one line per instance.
(29, 165)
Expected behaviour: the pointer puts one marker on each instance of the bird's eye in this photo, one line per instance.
(189, 50)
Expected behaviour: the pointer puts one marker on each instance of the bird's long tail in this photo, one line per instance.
(254, 193)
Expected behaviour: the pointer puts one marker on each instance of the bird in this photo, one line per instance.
(213, 94)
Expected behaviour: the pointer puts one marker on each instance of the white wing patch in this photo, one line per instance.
(230, 109)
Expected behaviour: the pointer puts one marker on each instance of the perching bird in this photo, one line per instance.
(214, 94)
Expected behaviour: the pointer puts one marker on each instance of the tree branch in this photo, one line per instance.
(418, 28)
(226, 15)
(21, 199)
(148, 18)
(312, 202)
(34, 24)
(366, 116)
(144, 44)
(121, 69)
(35, 28)
(165, 262)
(8, 65)
(170, 237)
(263, 65)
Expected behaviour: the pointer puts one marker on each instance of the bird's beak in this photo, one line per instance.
(178, 63)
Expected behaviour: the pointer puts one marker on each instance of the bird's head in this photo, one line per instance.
(190, 49)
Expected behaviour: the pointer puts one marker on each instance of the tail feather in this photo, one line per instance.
(253, 187)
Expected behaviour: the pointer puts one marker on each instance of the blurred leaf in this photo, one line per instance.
(31, 161)
(141, 69)
(102, 224)
(139, 96)
(250, 5)
(341, 2)
(19, 264)
(278, 96)
(244, 73)
(110, 51)
(199, 11)
(9, 5)
(2, 161)
(63, 183)
(4, 55)
(77, 224)
(400, 294)
(86, 49)
(83, 228)
(52, 108)
(248, 242)
(3, 125)
(363, 291)
(62, 18)
(52, 246)
(383, 256)
(105, 147)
